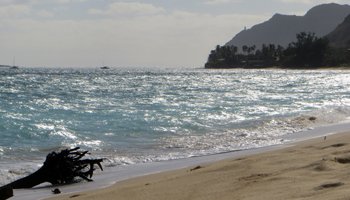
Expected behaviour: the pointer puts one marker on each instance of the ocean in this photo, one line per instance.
(133, 116)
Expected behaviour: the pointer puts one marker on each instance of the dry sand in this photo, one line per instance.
(314, 169)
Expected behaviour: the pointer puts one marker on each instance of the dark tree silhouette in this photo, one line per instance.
(307, 51)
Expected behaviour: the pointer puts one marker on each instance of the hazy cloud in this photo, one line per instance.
(215, 2)
(65, 1)
(36, 2)
(12, 2)
(45, 14)
(166, 39)
(126, 32)
(125, 8)
(14, 11)
(314, 1)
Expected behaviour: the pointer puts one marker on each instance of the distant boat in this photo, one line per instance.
(14, 67)
(105, 67)
(14, 64)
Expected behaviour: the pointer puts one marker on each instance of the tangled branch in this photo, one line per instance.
(61, 168)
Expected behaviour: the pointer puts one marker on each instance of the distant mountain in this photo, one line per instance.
(282, 29)
(340, 37)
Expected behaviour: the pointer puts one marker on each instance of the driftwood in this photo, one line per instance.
(60, 168)
(6, 192)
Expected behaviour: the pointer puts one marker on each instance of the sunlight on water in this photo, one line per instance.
(131, 116)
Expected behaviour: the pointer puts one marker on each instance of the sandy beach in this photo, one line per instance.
(313, 169)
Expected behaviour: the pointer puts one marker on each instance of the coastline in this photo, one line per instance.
(311, 169)
(280, 108)
(344, 67)
(115, 175)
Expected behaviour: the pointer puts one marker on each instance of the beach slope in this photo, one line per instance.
(314, 169)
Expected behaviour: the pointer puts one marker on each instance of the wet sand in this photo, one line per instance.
(313, 169)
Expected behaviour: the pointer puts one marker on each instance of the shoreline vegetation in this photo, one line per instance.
(308, 52)
(312, 169)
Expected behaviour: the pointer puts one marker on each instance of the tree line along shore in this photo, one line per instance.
(308, 51)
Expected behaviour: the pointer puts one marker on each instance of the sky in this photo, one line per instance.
(128, 33)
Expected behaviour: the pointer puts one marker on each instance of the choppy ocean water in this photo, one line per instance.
(131, 116)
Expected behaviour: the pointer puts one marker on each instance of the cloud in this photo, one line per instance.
(119, 34)
(124, 8)
(314, 1)
(216, 2)
(38, 2)
(45, 14)
(65, 1)
(11, 2)
(14, 11)
(165, 39)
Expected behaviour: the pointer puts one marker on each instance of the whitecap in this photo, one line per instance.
(45, 126)
(63, 132)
